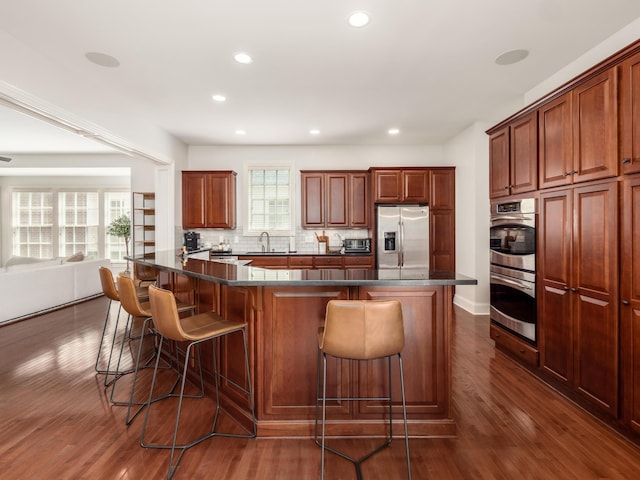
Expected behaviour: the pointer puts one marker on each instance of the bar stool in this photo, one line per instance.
(361, 330)
(111, 292)
(137, 309)
(144, 274)
(194, 330)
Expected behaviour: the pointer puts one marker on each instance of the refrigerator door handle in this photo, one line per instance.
(401, 246)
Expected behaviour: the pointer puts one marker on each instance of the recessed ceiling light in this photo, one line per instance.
(102, 59)
(358, 19)
(243, 58)
(240, 132)
(511, 57)
(314, 131)
(218, 98)
(393, 131)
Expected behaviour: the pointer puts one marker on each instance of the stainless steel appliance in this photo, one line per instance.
(402, 236)
(357, 245)
(191, 240)
(513, 267)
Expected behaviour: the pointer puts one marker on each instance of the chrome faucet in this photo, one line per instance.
(268, 241)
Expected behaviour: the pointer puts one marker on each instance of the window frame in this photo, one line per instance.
(249, 229)
(56, 233)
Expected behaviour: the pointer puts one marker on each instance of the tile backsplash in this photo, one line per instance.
(304, 240)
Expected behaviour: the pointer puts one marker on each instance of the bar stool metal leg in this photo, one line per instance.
(177, 451)
(322, 357)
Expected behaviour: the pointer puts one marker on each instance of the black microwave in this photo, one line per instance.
(357, 245)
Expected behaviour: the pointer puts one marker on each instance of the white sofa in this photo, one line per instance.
(29, 289)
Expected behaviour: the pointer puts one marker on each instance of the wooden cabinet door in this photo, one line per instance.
(595, 294)
(555, 145)
(523, 154)
(358, 262)
(359, 200)
(220, 211)
(387, 186)
(442, 219)
(499, 163)
(209, 199)
(194, 187)
(630, 308)
(578, 321)
(554, 305)
(336, 197)
(630, 114)
(421, 309)
(415, 186)
(313, 201)
(595, 128)
(288, 346)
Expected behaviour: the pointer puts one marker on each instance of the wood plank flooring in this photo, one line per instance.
(57, 422)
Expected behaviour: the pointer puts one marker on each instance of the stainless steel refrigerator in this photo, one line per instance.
(402, 236)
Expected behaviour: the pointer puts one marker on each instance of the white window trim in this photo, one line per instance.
(56, 221)
(292, 201)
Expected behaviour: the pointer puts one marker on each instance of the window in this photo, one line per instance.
(60, 223)
(270, 206)
(116, 205)
(33, 224)
(78, 223)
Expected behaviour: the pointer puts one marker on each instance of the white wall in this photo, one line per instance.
(347, 157)
(469, 153)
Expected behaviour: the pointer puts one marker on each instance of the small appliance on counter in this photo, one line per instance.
(191, 241)
(357, 245)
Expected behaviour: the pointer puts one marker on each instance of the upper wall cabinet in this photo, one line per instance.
(556, 153)
(579, 133)
(335, 199)
(595, 128)
(406, 185)
(513, 156)
(209, 199)
(629, 73)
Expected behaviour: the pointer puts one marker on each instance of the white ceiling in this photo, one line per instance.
(423, 66)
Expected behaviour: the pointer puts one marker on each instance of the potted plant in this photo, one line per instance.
(121, 228)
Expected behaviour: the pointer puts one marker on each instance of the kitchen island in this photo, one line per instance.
(283, 310)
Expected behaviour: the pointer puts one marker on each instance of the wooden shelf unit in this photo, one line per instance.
(143, 234)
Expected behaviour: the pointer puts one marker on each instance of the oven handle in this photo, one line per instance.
(524, 287)
(507, 220)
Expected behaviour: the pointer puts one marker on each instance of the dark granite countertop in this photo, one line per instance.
(232, 274)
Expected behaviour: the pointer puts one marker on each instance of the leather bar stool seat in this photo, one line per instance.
(194, 330)
(361, 330)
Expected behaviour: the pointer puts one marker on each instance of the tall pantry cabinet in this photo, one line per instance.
(629, 72)
(578, 265)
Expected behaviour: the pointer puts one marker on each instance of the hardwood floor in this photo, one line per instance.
(57, 421)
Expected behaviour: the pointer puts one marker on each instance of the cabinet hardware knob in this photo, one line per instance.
(574, 290)
(626, 160)
(625, 302)
(565, 288)
(575, 172)
(506, 187)
(566, 174)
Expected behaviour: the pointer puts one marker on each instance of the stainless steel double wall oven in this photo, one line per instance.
(513, 267)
